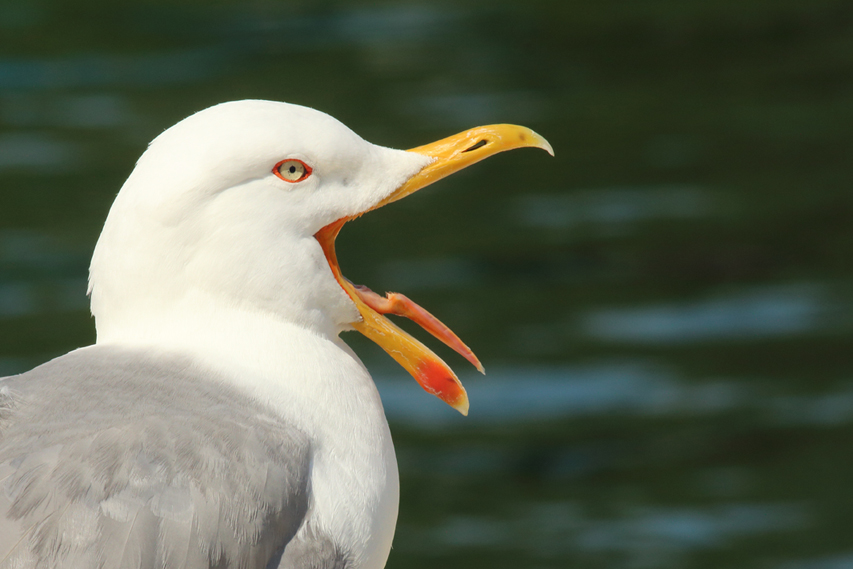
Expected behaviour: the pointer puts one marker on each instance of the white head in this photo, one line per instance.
(211, 212)
(203, 211)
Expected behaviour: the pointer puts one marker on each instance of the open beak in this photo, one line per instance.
(449, 155)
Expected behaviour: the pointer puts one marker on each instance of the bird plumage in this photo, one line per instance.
(219, 420)
(115, 457)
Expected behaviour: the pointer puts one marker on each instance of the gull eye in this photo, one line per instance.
(292, 170)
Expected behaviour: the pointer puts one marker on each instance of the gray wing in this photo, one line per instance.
(115, 458)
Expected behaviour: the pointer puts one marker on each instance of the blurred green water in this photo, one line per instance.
(664, 308)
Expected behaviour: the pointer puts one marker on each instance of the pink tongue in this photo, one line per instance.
(395, 303)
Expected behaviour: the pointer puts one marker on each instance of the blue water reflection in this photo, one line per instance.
(639, 389)
(646, 537)
(539, 393)
(776, 310)
(103, 70)
(840, 561)
(614, 206)
(36, 152)
(94, 111)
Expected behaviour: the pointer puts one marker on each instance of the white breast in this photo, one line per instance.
(319, 385)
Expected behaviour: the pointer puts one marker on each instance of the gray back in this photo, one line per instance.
(117, 458)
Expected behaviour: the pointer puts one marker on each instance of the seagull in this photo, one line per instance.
(219, 420)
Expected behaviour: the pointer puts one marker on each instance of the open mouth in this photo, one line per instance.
(448, 155)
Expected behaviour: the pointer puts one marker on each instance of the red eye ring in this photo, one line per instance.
(297, 168)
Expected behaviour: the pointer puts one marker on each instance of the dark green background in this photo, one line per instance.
(664, 309)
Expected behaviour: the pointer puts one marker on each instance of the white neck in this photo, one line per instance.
(312, 380)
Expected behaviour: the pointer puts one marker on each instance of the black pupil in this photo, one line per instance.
(293, 169)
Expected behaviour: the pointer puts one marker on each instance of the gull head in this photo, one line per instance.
(241, 203)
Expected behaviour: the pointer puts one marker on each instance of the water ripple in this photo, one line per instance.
(773, 311)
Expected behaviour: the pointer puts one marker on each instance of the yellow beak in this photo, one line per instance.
(449, 155)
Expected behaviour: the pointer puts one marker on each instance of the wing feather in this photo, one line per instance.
(115, 458)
